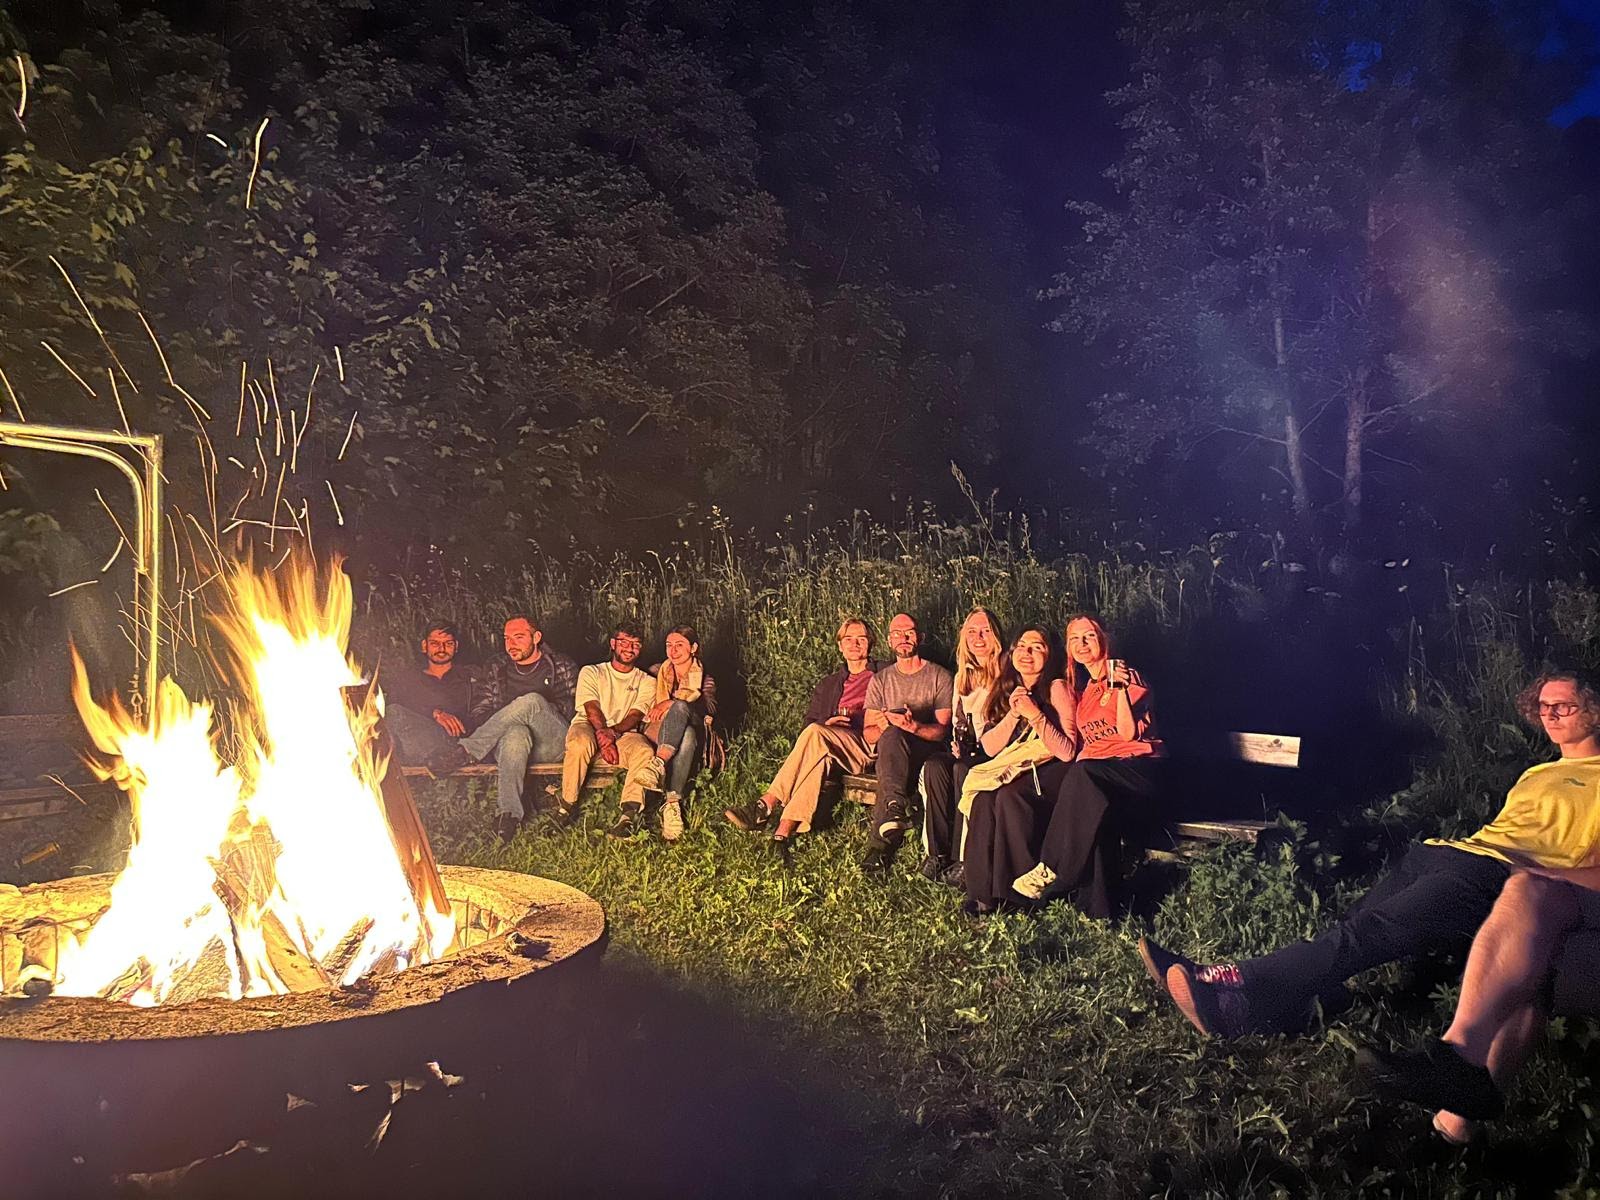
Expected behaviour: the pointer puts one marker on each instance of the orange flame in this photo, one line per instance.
(275, 871)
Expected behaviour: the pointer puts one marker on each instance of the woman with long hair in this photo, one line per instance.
(1113, 785)
(679, 722)
(1029, 745)
(980, 659)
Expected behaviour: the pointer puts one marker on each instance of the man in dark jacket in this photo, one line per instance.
(522, 710)
(832, 739)
(428, 707)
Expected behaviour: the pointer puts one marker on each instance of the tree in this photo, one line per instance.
(1331, 240)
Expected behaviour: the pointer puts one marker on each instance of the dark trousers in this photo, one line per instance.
(941, 791)
(900, 759)
(1097, 802)
(1004, 830)
(1435, 899)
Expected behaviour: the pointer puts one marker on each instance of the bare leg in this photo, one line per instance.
(1497, 1020)
(1511, 955)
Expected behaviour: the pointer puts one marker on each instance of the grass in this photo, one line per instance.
(1030, 1056)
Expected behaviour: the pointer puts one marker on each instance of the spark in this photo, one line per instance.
(337, 511)
(339, 358)
(69, 370)
(250, 188)
(121, 532)
(10, 391)
(294, 442)
(167, 367)
(117, 396)
(56, 779)
(72, 587)
(347, 434)
(237, 463)
(272, 537)
(238, 426)
(100, 333)
(121, 542)
(277, 410)
(305, 422)
(218, 141)
(22, 76)
(262, 456)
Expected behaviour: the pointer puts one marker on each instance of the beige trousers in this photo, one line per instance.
(798, 783)
(636, 754)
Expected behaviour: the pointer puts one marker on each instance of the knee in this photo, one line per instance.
(581, 737)
(680, 708)
(1528, 901)
(512, 743)
(893, 743)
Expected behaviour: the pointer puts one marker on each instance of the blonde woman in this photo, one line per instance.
(980, 659)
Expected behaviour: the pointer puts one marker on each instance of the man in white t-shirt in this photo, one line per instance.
(612, 699)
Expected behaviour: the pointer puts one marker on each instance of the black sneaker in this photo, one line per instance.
(1158, 961)
(1434, 1076)
(630, 819)
(782, 850)
(876, 863)
(505, 827)
(752, 817)
(955, 875)
(451, 758)
(562, 815)
(896, 821)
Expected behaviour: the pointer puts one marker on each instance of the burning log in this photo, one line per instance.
(245, 885)
(399, 807)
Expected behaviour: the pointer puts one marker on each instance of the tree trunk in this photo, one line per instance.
(1355, 427)
(1292, 444)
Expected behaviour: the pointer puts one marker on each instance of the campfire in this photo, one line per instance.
(270, 852)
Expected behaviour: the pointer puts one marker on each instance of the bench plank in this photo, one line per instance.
(1266, 749)
(41, 727)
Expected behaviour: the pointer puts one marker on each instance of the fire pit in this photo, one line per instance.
(96, 1087)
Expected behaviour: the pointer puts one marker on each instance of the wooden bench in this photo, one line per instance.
(544, 776)
(1258, 749)
(39, 798)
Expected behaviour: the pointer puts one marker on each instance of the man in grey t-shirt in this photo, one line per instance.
(907, 720)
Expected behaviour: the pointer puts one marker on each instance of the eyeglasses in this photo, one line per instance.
(1560, 708)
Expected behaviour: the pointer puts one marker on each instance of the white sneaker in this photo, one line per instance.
(1033, 884)
(671, 818)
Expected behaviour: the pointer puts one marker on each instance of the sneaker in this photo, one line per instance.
(933, 867)
(783, 849)
(628, 821)
(876, 863)
(671, 818)
(1033, 884)
(1158, 960)
(1435, 1076)
(451, 758)
(895, 823)
(505, 827)
(955, 875)
(752, 817)
(1213, 998)
(562, 815)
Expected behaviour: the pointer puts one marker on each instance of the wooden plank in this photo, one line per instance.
(600, 773)
(17, 803)
(1266, 749)
(42, 727)
(1221, 831)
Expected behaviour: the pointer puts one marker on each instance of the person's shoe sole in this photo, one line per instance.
(1159, 960)
(1180, 986)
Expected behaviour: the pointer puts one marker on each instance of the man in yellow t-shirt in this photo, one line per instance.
(1439, 896)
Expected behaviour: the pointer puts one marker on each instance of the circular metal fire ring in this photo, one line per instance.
(529, 925)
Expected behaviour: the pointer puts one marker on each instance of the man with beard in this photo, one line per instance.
(428, 707)
(521, 710)
(908, 719)
(612, 699)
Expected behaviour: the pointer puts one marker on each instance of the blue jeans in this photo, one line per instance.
(680, 729)
(417, 736)
(528, 727)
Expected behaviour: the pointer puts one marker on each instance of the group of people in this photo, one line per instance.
(1026, 769)
(536, 705)
(1031, 762)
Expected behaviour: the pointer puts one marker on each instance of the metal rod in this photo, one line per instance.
(90, 443)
